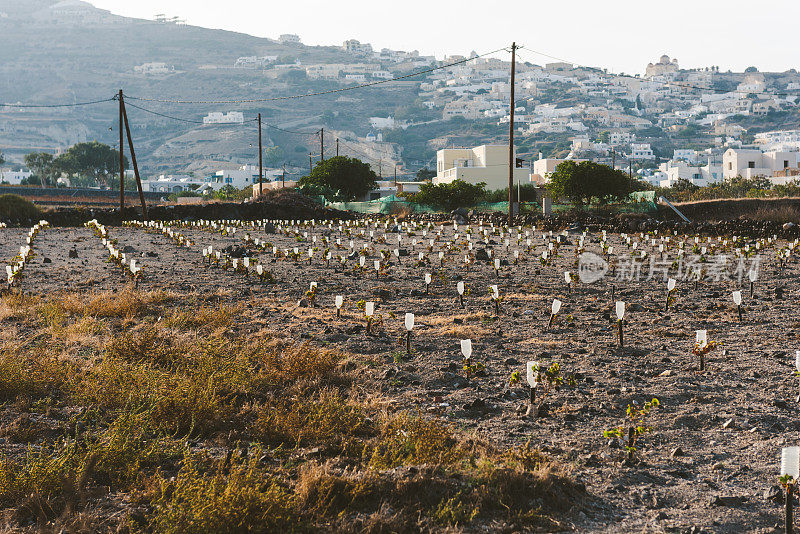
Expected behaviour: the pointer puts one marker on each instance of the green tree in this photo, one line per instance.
(93, 160)
(351, 177)
(456, 194)
(425, 174)
(586, 181)
(41, 165)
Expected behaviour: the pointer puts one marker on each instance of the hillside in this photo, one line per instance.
(49, 54)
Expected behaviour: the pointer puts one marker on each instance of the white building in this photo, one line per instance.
(750, 163)
(254, 62)
(642, 151)
(175, 183)
(13, 177)
(153, 68)
(244, 176)
(699, 175)
(288, 38)
(485, 163)
(216, 117)
(352, 46)
(381, 123)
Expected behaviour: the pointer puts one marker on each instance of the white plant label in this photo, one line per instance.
(671, 284)
(620, 309)
(339, 301)
(555, 307)
(460, 288)
(409, 321)
(369, 309)
(737, 298)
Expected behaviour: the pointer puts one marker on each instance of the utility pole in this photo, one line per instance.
(395, 177)
(121, 158)
(283, 178)
(322, 144)
(630, 168)
(337, 147)
(260, 160)
(133, 158)
(511, 162)
(613, 158)
(310, 165)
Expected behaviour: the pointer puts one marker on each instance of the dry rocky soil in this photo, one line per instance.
(710, 462)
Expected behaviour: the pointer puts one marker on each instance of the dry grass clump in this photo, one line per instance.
(409, 440)
(122, 304)
(202, 317)
(30, 376)
(225, 498)
(327, 418)
(781, 214)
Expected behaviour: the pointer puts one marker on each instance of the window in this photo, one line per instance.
(730, 166)
(785, 163)
(751, 164)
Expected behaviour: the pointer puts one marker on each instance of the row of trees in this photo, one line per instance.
(582, 183)
(86, 164)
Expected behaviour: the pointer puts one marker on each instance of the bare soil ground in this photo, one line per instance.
(710, 462)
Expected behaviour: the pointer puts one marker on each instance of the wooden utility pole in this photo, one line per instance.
(310, 165)
(630, 168)
(613, 158)
(133, 157)
(260, 160)
(121, 157)
(395, 177)
(283, 178)
(511, 162)
(322, 144)
(337, 147)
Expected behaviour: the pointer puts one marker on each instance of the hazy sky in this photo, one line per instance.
(621, 35)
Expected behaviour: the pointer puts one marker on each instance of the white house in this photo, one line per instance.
(13, 177)
(642, 151)
(153, 68)
(216, 117)
(699, 175)
(174, 183)
(749, 163)
(288, 38)
(244, 176)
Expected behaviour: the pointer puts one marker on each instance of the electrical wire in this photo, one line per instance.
(74, 104)
(319, 93)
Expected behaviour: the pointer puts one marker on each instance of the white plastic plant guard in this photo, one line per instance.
(671, 284)
(428, 278)
(567, 277)
(339, 301)
(797, 360)
(466, 348)
(620, 309)
(752, 275)
(497, 264)
(701, 338)
(369, 309)
(460, 288)
(260, 269)
(409, 321)
(790, 462)
(362, 261)
(377, 265)
(737, 298)
(532, 369)
(495, 291)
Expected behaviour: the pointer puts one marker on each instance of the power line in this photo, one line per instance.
(191, 121)
(74, 104)
(319, 93)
